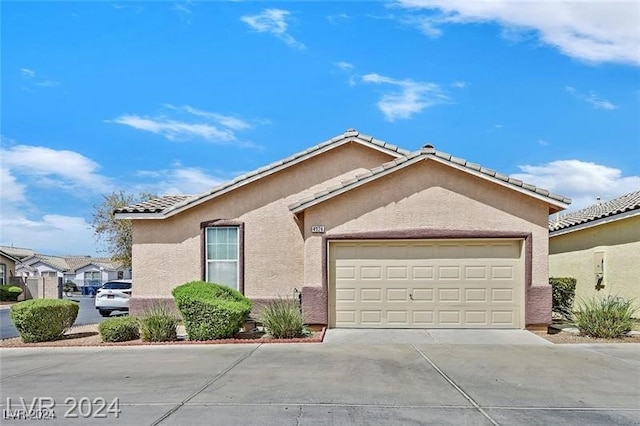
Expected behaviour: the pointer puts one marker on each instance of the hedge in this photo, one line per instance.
(119, 329)
(211, 311)
(9, 293)
(563, 290)
(42, 320)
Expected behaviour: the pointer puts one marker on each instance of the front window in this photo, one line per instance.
(222, 256)
(3, 273)
(92, 278)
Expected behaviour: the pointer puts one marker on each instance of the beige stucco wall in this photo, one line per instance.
(10, 267)
(432, 195)
(573, 255)
(167, 252)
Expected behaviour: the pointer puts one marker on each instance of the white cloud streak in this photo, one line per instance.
(412, 98)
(64, 169)
(590, 31)
(591, 98)
(273, 21)
(191, 123)
(581, 181)
(178, 180)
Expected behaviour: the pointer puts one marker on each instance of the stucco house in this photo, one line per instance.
(600, 247)
(371, 234)
(81, 270)
(7, 267)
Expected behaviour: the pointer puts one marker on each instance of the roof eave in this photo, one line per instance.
(596, 222)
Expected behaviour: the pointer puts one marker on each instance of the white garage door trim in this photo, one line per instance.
(452, 283)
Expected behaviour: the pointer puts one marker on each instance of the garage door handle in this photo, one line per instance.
(410, 296)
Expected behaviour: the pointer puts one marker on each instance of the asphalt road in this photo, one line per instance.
(86, 315)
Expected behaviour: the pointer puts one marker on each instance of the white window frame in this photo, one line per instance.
(3, 273)
(237, 257)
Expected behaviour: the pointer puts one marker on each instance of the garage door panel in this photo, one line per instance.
(398, 288)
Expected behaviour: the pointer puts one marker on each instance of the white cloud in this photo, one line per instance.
(591, 98)
(191, 123)
(27, 73)
(273, 21)
(178, 180)
(581, 181)
(12, 191)
(33, 78)
(345, 66)
(65, 169)
(460, 84)
(590, 31)
(50, 234)
(412, 98)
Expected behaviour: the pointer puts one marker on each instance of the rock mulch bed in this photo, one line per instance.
(87, 335)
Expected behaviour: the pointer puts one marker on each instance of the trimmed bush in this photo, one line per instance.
(43, 320)
(158, 324)
(119, 329)
(282, 319)
(9, 293)
(563, 292)
(608, 317)
(211, 311)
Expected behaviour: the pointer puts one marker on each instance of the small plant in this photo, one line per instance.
(9, 293)
(211, 311)
(68, 287)
(43, 320)
(563, 293)
(158, 324)
(282, 318)
(119, 329)
(608, 317)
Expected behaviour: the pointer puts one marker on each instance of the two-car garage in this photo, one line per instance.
(473, 283)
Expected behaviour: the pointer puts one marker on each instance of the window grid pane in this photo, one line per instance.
(222, 256)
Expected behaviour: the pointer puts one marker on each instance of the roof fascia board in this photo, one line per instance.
(8, 256)
(266, 173)
(524, 191)
(131, 216)
(590, 224)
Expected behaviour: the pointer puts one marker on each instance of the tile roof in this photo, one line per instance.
(17, 252)
(608, 209)
(172, 203)
(68, 263)
(425, 153)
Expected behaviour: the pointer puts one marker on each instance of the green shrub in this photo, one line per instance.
(119, 329)
(42, 320)
(211, 311)
(563, 291)
(607, 317)
(158, 324)
(282, 318)
(9, 293)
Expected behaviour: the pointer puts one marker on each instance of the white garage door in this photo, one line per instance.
(427, 284)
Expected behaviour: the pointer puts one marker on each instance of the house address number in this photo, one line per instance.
(317, 229)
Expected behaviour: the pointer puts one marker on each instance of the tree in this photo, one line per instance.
(117, 234)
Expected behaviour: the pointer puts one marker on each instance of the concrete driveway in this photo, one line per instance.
(311, 384)
(434, 336)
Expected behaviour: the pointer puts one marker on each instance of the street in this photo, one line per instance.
(86, 315)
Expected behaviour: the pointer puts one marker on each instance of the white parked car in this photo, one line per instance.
(113, 296)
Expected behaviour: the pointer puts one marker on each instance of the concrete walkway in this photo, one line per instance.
(434, 336)
(328, 384)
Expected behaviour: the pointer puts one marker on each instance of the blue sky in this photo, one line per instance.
(176, 97)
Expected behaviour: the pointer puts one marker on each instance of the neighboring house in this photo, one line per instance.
(7, 267)
(371, 234)
(81, 270)
(600, 247)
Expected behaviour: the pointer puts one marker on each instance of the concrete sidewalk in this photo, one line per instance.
(433, 336)
(311, 384)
